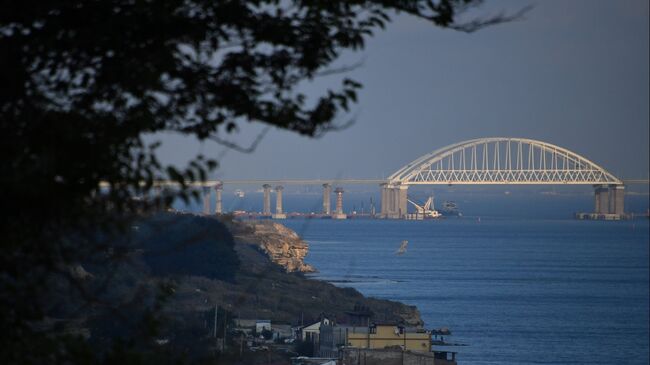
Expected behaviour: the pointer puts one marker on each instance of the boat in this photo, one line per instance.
(425, 211)
(450, 208)
(239, 193)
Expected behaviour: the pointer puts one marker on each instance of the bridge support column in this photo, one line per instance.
(218, 207)
(339, 205)
(383, 212)
(327, 191)
(402, 200)
(394, 200)
(279, 214)
(617, 199)
(609, 199)
(601, 199)
(206, 200)
(266, 209)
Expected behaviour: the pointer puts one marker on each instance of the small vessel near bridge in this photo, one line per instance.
(425, 211)
(450, 209)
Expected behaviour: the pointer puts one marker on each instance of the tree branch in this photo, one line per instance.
(478, 23)
(236, 147)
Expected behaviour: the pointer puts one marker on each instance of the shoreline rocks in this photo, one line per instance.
(283, 245)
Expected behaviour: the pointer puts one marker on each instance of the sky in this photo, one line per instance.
(571, 73)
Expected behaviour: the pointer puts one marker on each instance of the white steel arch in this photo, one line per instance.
(502, 160)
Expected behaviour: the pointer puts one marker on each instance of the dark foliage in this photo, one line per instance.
(81, 83)
(187, 245)
(267, 334)
(304, 348)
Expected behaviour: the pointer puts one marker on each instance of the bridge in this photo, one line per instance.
(482, 161)
(503, 161)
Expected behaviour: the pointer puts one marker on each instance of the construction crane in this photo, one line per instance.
(426, 211)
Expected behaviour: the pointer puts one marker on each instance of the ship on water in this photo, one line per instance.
(425, 211)
(450, 209)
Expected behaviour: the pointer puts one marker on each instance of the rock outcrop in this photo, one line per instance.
(281, 244)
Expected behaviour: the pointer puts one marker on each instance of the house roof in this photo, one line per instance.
(314, 326)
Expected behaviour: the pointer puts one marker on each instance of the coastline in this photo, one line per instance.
(274, 282)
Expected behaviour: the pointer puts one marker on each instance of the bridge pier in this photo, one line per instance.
(339, 205)
(617, 199)
(609, 199)
(266, 209)
(402, 201)
(327, 191)
(394, 200)
(279, 214)
(383, 213)
(218, 207)
(601, 199)
(206, 200)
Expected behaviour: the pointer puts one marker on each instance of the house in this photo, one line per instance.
(391, 335)
(311, 333)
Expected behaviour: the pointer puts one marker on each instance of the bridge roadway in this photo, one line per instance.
(340, 182)
(608, 200)
(296, 182)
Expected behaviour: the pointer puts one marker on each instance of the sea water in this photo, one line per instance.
(514, 290)
(516, 279)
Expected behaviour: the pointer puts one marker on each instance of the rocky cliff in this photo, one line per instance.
(265, 287)
(281, 244)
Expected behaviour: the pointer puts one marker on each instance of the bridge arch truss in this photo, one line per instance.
(502, 161)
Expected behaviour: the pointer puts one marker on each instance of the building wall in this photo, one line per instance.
(313, 330)
(332, 337)
(388, 336)
(356, 356)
